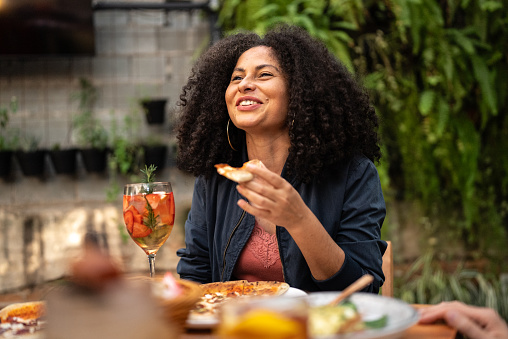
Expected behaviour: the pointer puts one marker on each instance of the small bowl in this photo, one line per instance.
(176, 309)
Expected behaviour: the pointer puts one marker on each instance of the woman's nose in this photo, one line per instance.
(246, 85)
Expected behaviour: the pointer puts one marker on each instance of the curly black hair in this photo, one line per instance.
(330, 116)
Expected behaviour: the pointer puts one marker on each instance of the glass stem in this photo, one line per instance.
(151, 261)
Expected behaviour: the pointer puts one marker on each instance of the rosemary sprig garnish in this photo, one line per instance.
(150, 220)
(149, 174)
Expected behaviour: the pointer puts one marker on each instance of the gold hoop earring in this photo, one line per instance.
(227, 132)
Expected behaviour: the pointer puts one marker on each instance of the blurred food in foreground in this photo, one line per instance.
(26, 318)
(267, 317)
(333, 319)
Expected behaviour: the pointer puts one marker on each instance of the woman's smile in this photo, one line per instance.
(248, 103)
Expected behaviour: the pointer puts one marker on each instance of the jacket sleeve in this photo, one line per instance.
(359, 232)
(194, 261)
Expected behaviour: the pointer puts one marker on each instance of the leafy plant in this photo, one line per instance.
(29, 143)
(322, 19)
(425, 282)
(90, 131)
(8, 138)
(126, 154)
(438, 75)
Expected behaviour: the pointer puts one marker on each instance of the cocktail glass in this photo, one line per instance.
(149, 215)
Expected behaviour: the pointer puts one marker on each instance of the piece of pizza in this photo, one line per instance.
(265, 288)
(214, 294)
(238, 174)
(23, 319)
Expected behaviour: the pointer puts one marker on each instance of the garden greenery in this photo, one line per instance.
(438, 75)
(425, 282)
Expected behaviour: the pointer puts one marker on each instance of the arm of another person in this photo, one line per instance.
(274, 199)
(472, 321)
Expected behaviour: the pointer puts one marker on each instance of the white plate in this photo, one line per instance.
(401, 315)
(206, 322)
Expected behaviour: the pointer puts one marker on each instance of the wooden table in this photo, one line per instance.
(434, 331)
(431, 331)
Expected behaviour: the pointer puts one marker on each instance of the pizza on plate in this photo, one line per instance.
(216, 293)
(22, 319)
(238, 174)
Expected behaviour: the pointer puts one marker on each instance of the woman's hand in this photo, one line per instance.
(273, 198)
(473, 322)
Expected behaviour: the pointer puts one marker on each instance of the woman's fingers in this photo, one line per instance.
(262, 172)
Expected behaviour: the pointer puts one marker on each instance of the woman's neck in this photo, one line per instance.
(272, 151)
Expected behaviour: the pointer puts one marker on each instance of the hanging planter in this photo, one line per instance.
(94, 159)
(5, 163)
(31, 162)
(155, 110)
(155, 155)
(64, 160)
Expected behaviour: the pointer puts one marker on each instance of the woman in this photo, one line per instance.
(312, 215)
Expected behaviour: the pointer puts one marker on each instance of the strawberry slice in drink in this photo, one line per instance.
(128, 217)
(154, 200)
(135, 214)
(140, 231)
(166, 209)
(138, 202)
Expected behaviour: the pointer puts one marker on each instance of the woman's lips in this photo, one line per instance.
(248, 103)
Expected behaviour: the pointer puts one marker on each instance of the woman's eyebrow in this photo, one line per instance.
(240, 69)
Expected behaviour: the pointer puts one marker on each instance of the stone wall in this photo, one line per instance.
(43, 220)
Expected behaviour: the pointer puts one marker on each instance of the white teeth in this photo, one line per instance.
(247, 103)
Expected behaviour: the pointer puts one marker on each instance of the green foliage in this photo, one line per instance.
(9, 138)
(126, 154)
(438, 75)
(427, 283)
(319, 17)
(90, 132)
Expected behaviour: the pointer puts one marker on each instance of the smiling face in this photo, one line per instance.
(257, 96)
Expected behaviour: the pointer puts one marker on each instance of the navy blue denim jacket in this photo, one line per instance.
(349, 203)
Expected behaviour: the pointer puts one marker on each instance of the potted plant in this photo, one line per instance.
(154, 109)
(31, 159)
(126, 154)
(155, 152)
(63, 160)
(90, 133)
(8, 138)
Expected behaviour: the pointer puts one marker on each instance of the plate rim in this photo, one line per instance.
(412, 319)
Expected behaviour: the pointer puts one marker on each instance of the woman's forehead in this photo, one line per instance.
(258, 54)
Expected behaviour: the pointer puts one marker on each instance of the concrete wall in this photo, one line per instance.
(43, 220)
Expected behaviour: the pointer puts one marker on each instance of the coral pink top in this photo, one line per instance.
(260, 260)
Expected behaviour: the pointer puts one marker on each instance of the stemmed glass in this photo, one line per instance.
(149, 215)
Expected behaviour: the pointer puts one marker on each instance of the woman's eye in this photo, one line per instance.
(265, 74)
(236, 78)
